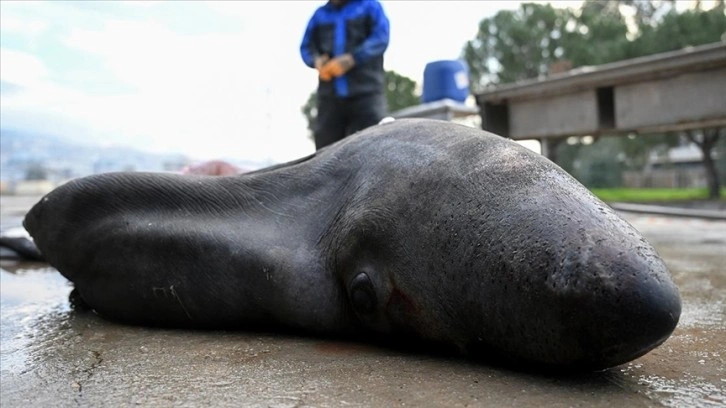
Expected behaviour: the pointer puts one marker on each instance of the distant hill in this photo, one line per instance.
(62, 159)
(58, 158)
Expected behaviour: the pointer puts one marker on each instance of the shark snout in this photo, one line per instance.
(632, 318)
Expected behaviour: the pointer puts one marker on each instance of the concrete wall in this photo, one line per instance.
(574, 113)
(688, 97)
(672, 91)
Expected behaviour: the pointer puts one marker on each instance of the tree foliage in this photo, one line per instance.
(400, 93)
(515, 45)
(525, 43)
(680, 30)
(706, 140)
(522, 44)
(310, 111)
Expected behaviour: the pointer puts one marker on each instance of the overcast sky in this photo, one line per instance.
(207, 79)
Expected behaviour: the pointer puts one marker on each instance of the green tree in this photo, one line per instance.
(596, 34)
(400, 93)
(706, 140)
(636, 150)
(679, 30)
(720, 150)
(525, 43)
(567, 153)
(522, 44)
(310, 111)
(515, 45)
(646, 12)
(599, 169)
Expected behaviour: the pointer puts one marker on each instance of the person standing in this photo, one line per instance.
(345, 41)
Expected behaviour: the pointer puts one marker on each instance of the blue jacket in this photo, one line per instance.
(359, 27)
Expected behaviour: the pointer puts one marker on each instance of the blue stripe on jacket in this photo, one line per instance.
(374, 45)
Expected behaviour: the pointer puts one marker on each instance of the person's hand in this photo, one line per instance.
(319, 64)
(339, 65)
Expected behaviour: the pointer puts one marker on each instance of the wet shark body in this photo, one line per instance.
(426, 230)
(15, 243)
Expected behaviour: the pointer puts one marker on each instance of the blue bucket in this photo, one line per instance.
(446, 79)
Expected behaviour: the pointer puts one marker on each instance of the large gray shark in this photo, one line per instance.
(416, 229)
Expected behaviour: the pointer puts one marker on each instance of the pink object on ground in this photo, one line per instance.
(213, 168)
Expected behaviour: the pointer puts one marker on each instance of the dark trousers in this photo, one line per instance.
(340, 117)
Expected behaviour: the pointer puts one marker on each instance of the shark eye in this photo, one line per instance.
(362, 295)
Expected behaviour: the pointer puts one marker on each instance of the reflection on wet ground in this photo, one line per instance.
(53, 355)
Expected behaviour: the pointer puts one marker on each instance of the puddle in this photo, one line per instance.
(51, 354)
(31, 300)
(702, 313)
(689, 391)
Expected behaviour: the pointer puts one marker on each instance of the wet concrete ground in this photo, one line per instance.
(51, 355)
